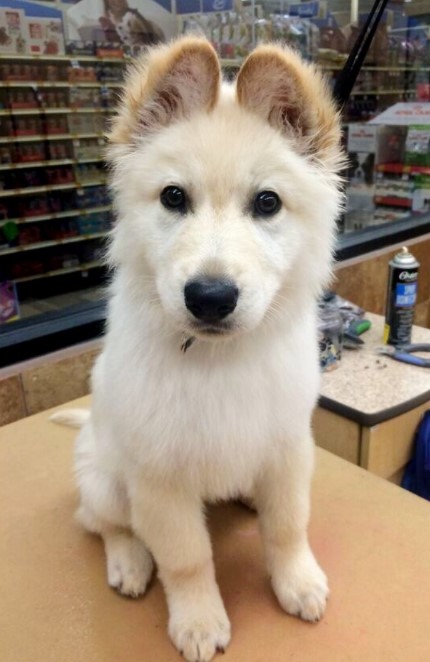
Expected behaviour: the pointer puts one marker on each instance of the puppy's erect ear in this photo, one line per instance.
(168, 83)
(293, 97)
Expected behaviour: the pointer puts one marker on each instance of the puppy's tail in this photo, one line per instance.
(73, 418)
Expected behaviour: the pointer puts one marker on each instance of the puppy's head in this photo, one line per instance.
(226, 195)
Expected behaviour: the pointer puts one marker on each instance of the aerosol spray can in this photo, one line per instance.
(401, 298)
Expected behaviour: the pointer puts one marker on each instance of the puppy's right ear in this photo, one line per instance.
(167, 84)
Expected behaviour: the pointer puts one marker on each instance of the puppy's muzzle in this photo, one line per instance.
(211, 299)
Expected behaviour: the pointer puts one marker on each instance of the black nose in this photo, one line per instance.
(210, 299)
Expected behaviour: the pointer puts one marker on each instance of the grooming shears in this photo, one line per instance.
(406, 353)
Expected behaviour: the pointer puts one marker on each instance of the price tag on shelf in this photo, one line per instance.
(75, 64)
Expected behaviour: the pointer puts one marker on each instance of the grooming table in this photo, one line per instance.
(371, 537)
(371, 405)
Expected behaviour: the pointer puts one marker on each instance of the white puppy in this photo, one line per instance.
(226, 197)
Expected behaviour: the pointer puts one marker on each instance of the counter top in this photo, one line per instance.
(370, 388)
(371, 537)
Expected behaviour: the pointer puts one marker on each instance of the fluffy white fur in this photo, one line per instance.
(232, 416)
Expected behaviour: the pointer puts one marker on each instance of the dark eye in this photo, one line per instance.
(174, 198)
(266, 203)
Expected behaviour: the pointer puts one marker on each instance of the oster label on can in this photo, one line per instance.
(401, 298)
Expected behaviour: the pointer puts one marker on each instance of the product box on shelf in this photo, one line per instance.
(58, 230)
(9, 305)
(33, 206)
(87, 173)
(83, 123)
(81, 74)
(106, 49)
(45, 36)
(27, 126)
(421, 193)
(423, 91)
(28, 266)
(54, 99)
(361, 147)
(109, 73)
(57, 176)
(56, 125)
(58, 150)
(76, 47)
(81, 97)
(13, 31)
(5, 155)
(27, 153)
(90, 148)
(94, 196)
(30, 234)
(94, 223)
(393, 190)
(22, 99)
(417, 146)
(6, 127)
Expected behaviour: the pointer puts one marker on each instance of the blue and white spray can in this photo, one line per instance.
(401, 298)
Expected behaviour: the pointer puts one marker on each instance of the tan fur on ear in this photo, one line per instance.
(293, 96)
(166, 83)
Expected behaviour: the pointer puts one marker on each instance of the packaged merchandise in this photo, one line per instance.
(13, 31)
(82, 97)
(82, 123)
(90, 148)
(45, 35)
(417, 148)
(9, 305)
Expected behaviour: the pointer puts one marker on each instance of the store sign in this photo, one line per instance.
(404, 114)
(205, 6)
(361, 138)
(305, 9)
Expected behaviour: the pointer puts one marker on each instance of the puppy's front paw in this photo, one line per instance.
(301, 588)
(201, 634)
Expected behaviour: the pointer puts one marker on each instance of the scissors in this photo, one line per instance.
(405, 353)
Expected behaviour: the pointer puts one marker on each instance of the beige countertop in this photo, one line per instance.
(370, 388)
(371, 537)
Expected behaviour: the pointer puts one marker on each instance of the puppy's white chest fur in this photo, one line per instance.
(211, 415)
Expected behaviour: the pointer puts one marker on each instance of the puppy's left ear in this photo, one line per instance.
(170, 82)
(292, 96)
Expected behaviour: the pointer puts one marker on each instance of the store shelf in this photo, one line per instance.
(52, 111)
(64, 58)
(54, 242)
(44, 83)
(225, 62)
(86, 266)
(30, 190)
(125, 59)
(55, 136)
(392, 201)
(43, 164)
(55, 215)
(405, 68)
(401, 169)
(378, 92)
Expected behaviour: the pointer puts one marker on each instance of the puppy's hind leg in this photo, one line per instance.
(104, 509)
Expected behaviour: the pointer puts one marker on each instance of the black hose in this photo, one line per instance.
(348, 75)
